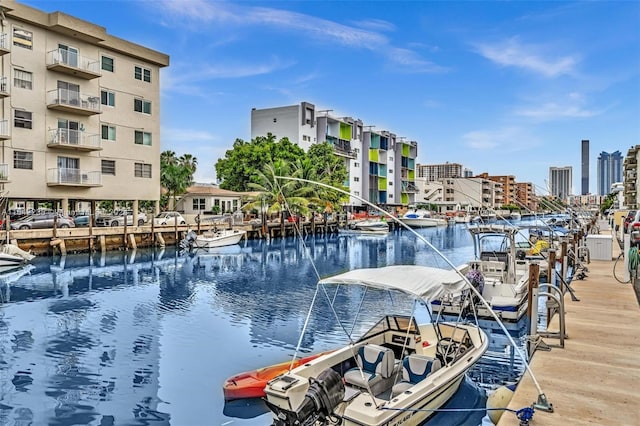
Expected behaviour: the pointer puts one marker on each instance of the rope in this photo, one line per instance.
(634, 261)
(524, 414)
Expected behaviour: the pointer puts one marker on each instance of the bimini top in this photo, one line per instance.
(424, 282)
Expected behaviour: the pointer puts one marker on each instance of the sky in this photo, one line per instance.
(507, 88)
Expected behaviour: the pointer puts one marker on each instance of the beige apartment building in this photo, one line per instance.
(80, 116)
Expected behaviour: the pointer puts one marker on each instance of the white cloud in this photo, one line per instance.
(507, 139)
(572, 105)
(513, 53)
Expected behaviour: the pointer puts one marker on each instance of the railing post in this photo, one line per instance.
(532, 305)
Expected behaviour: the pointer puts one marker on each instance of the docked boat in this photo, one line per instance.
(499, 271)
(218, 238)
(399, 371)
(369, 226)
(417, 218)
(251, 384)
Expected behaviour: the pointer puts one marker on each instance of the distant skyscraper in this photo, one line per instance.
(585, 167)
(560, 181)
(609, 171)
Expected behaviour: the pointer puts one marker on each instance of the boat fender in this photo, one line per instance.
(499, 398)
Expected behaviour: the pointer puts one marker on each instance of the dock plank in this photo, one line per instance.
(595, 379)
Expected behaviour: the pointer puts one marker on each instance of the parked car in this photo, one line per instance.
(81, 221)
(628, 219)
(168, 218)
(43, 221)
(117, 218)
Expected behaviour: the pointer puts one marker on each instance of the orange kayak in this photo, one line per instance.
(251, 384)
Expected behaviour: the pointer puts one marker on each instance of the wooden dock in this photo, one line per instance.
(595, 378)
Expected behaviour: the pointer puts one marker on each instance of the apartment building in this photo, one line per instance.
(381, 167)
(526, 196)
(560, 181)
(80, 111)
(631, 176)
(508, 183)
(435, 172)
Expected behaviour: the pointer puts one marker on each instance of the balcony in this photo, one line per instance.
(4, 44)
(74, 139)
(71, 63)
(341, 147)
(73, 177)
(4, 130)
(73, 102)
(409, 187)
(4, 173)
(4, 88)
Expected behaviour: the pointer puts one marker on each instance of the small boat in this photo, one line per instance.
(11, 260)
(369, 226)
(421, 219)
(400, 371)
(218, 238)
(251, 384)
(499, 271)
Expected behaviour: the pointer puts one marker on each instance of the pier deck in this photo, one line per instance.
(595, 379)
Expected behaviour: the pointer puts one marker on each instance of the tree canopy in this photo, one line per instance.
(176, 174)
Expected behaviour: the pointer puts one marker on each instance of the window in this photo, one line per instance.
(108, 167)
(22, 119)
(390, 183)
(356, 164)
(143, 74)
(22, 79)
(142, 170)
(23, 38)
(108, 132)
(107, 64)
(108, 98)
(356, 179)
(142, 138)
(199, 204)
(140, 105)
(22, 160)
(390, 171)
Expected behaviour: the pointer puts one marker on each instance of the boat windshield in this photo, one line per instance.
(399, 323)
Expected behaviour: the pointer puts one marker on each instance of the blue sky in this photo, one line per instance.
(500, 87)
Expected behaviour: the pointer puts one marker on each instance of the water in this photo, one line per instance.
(148, 337)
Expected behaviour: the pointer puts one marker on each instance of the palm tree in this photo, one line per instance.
(176, 174)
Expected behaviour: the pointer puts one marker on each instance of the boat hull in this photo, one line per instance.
(218, 239)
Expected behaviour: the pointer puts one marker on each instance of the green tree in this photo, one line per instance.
(176, 174)
(242, 163)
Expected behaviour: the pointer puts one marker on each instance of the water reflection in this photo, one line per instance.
(150, 336)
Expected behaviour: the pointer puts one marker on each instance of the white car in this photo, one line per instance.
(169, 218)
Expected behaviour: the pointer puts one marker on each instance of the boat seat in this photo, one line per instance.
(377, 363)
(415, 368)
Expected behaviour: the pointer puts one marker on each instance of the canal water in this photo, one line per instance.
(148, 337)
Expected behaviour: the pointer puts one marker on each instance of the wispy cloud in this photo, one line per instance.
(572, 106)
(506, 139)
(367, 36)
(513, 53)
(174, 135)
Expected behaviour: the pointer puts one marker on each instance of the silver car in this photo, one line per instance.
(43, 221)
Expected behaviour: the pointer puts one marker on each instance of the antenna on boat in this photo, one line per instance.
(542, 402)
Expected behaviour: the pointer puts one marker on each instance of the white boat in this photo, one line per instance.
(218, 238)
(462, 216)
(417, 218)
(515, 215)
(369, 226)
(397, 372)
(8, 261)
(499, 272)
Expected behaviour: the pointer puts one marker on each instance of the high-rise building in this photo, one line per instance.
(80, 111)
(609, 171)
(585, 167)
(381, 166)
(435, 172)
(560, 181)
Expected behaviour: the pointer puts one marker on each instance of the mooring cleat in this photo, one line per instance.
(542, 404)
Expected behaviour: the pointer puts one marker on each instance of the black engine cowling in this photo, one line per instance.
(324, 394)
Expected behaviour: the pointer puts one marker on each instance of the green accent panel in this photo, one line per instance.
(405, 150)
(382, 184)
(412, 175)
(345, 131)
(373, 155)
(404, 198)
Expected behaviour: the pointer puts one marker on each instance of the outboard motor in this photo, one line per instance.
(188, 240)
(324, 394)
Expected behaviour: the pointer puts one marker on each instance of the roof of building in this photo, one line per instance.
(211, 189)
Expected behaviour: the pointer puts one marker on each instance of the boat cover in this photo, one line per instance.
(423, 282)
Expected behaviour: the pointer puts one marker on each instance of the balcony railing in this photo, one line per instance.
(73, 102)
(342, 146)
(4, 173)
(68, 62)
(74, 139)
(409, 187)
(4, 44)
(4, 87)
(4, 130)
(73, 177)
